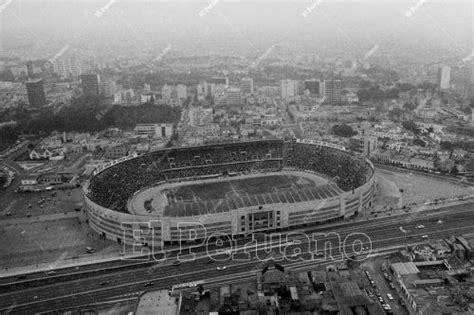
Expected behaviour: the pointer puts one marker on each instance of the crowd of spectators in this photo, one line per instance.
(112, 187)
(348, 171)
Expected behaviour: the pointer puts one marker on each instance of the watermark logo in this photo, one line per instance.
(208, 8)
(311, 8)
(467, 59)
(163, 53)
(5, 5)
(103, 112)
(58, 55)
(415, 8)
(196, 243)
(103, 9)
(370, 52)
(262, 57)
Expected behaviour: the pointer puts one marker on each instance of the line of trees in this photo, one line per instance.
(87, 117)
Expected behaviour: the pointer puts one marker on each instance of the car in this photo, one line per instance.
(28, 214)
(51, 273)
(421, 226)
(149, 284)
(104, 283)
(220, 268)
(372, 283)
(386, 307)
(390, 297)
(89, 250)
(392, 286)
(424, 237)
(381, 299)
(210, 261)
(8, 213)
(176, 263)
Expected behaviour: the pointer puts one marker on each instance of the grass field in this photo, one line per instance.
(233, 187)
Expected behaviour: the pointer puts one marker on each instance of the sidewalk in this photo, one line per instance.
(41, 218)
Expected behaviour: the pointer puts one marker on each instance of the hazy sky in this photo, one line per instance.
(355, 23)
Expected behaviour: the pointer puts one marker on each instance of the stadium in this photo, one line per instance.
(234, 189)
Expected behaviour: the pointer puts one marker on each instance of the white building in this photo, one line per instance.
(288, 89)
(444, 77)
(181, 91)
(158, 130)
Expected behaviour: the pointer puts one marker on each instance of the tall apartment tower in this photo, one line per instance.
(30, 69)
(288, 89)
(333, 89)
(247, 85)
(90, 84)
(35, 91)
(444, 77)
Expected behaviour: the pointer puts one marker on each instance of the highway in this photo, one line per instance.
(84, 271)
(128, 283)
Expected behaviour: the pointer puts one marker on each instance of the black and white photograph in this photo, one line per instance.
(237, 157)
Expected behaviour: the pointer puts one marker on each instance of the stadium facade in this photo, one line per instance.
(108, 192)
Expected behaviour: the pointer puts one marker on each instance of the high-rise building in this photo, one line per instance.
(90, 84)
(288, 89)
(108, 88)
(68, 66)
(35, 91)
(234, 96)
(444, 77)
(313, 86)
(30, 69)
(182, 91)
(247, 85)
(333, 89)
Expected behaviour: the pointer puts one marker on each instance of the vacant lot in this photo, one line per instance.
(402, 188)
(49, 240)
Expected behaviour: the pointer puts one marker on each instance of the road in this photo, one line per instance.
(129, 283)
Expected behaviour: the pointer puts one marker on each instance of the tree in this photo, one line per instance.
(409, 106)
(343, 130)
(469, 165)
(411, 126)
(454, 170)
